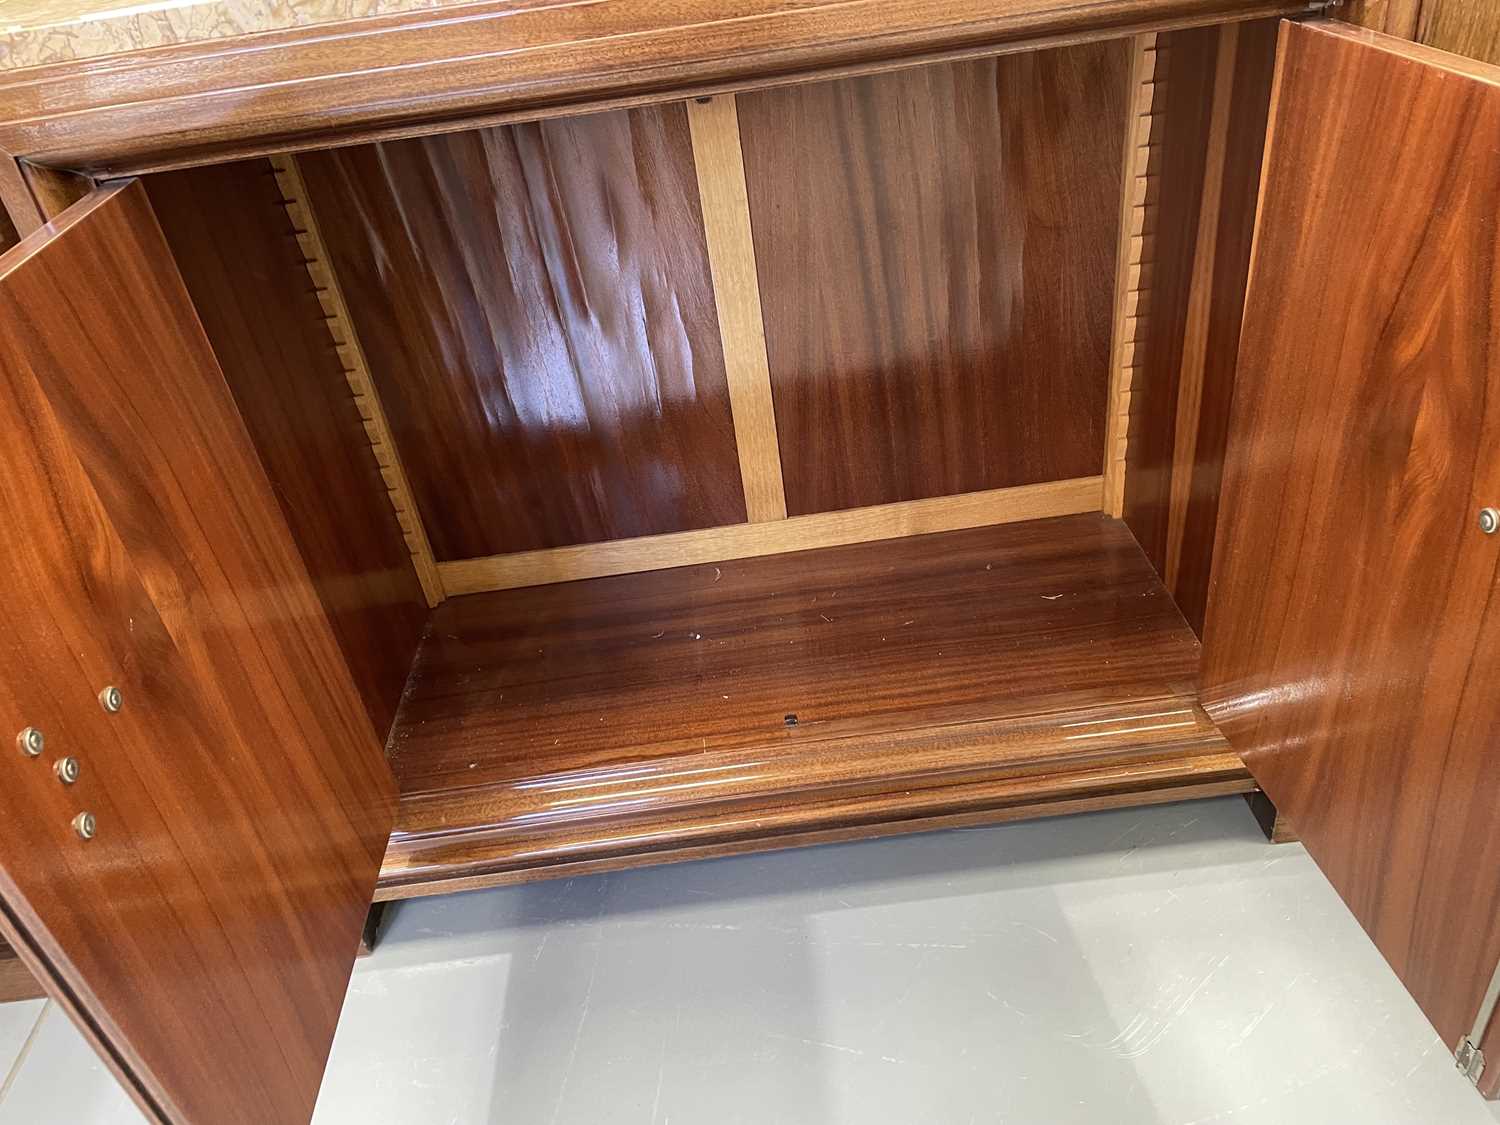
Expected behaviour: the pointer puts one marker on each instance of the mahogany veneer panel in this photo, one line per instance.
(16, 980)
(1187, 337)
(537, 313)
(139, 110)
(968, 672)
(240, 260)
(936, 251)
(204, 938)
(1353, 642)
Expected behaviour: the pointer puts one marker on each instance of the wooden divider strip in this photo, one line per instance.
(1195, 330)
(1132, 277)
(715, 127)
(750, 540)
(357, 372)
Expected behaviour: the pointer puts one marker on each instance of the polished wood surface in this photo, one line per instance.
(234, 245)
(812, 692)
(936, 251)
(504, 60)
(1393, 17)
(1466, 27)
(1221, 266)
(203, 939)
(536, 309)
(731, 255)
(1213, 95)
(54, 190)
(16, 980)
(20, 206)
(351, 355)
(752, 540)
(1352, 638)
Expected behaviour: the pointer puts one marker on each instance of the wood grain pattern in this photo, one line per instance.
(1191, 374)
(1393, 17)
(1137, 213)
(1465, 27)
(536, 309)
(1213, 94)
(1352, 638)
(800, 533)
(15, 197)
(203, 939)
(1214, 323)
(813, 692)
(54, 190)
(731, 255)
(242, 265)
(16, 980)
(374, 79)
(936, 252)
(356, 368)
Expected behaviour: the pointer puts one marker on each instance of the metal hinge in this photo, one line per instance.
(1469, 1060)
(1468, 1057)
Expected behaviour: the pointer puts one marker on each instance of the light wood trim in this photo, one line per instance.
(357, 372)
(1195, 329)
(750, 540)
(1131, 275)
(715, 128)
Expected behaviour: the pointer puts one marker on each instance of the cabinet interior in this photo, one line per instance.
(814, 462)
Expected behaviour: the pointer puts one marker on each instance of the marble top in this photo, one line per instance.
(33, 32)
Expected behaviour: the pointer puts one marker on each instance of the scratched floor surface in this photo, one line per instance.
(1152, 966)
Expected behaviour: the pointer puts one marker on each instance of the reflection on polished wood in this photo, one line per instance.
(1353, 636)
(203, 939)
(774, 537)
(233, 243)
(1213, 95)
(936, 250)
(497, 60)
(849, 691)
(537, 313)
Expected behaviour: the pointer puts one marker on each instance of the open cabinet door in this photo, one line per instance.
(1352, 648)
(239, 798)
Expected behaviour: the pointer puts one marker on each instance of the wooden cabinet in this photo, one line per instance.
(586, 455)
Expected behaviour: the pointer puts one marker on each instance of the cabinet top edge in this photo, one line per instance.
(111, 99)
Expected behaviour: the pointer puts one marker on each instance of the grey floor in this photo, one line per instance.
(1150, 966)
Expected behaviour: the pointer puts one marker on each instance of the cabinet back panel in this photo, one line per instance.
(240, 260)
(936, 251)
(535, 306)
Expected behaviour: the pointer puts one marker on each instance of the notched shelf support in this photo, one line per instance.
(357, 372)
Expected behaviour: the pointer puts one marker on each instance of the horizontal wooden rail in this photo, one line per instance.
(500, 60)
(752, 540)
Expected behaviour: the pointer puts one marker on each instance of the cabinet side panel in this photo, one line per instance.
(1466, 27)
(1183, 110)
(1350, 650)
(537, 313)
(1212, 97)
(240, 259)
(936, 250)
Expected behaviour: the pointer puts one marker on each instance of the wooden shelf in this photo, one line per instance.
(964, 677)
